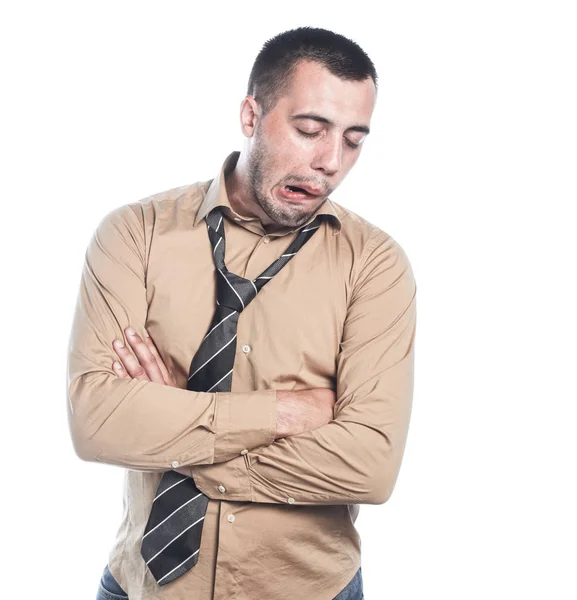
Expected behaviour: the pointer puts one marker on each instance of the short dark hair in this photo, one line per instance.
(275, 64)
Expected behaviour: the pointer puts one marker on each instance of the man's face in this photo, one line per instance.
(310, 139)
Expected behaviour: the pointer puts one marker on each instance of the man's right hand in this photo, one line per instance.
(303, 410)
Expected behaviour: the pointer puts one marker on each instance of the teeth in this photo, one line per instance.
(293, 188)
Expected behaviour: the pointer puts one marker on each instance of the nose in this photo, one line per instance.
(328, 157)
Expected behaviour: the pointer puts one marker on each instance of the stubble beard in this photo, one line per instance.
(256, 166)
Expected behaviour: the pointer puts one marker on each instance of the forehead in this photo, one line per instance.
(315, 89)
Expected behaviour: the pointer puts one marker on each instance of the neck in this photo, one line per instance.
(240, 196)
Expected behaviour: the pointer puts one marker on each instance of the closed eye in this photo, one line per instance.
(316, 133)
(309, 135)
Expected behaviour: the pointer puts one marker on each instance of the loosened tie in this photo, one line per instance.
(171, 541)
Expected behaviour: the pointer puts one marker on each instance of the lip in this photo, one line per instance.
(313, 191)
(295, 196)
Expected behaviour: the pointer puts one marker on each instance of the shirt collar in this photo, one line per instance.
(216, 196)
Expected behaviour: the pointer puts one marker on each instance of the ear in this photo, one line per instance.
(250, 112)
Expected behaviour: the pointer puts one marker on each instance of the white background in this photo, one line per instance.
(471, 166)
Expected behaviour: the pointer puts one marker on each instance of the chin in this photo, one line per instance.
(291, 217)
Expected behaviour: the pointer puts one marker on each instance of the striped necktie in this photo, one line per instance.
(171, 540)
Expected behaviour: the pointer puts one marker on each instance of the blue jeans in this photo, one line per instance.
(354, 589)
(110, 590)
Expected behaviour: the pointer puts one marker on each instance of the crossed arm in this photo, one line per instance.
(356, 457)
(353, 458)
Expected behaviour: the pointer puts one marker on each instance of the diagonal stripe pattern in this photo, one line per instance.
(171, 541)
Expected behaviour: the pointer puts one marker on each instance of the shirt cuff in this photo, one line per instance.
(244, 421)
(224, 481)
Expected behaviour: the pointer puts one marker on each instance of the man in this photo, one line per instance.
(305, 409)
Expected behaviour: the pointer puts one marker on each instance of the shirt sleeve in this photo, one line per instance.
(356, 457)
(137, 424)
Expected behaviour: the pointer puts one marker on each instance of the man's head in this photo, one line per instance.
(310, 98)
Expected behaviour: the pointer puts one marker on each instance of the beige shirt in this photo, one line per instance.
(341, 315)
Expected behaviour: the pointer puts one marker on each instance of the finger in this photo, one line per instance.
(151, 346)
(144, 356)
(120, 370)
(129, 361)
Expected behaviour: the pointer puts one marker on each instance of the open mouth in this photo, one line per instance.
(293, 192)
(294, 188)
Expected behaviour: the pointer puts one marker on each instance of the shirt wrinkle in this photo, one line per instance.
(340, 315)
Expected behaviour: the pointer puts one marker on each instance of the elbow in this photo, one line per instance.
(82, 420)
(381, 490)
(82, 442)
(84, 449)
(382, 477)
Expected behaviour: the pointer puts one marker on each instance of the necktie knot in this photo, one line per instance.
(234, 291)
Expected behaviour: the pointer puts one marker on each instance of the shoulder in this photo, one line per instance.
(174, 200)
(381, 268)
(177, 204)
(369, 243)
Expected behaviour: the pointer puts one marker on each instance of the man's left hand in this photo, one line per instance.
(145, 364)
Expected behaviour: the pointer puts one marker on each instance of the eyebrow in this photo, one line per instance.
(315, 117)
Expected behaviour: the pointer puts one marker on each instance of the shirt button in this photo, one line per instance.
(174, 464)
(230, 518)
(246, 349)
(266, 239)
(245, 451)
(291, 500)
(236, 218)
(221, 488)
